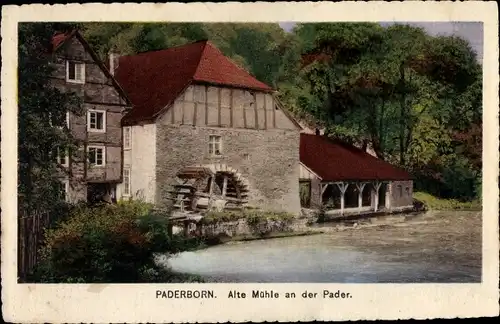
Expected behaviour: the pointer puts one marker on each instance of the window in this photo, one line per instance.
(407, 189)
(96, 155)
(75, 72)
(96, 121)
(62, 157)
(400, 190)
(127, 136)
(126, 181)
(214, 145)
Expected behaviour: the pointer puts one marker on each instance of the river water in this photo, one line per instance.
(435, 247)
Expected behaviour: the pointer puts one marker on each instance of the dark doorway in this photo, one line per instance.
(101, 192)
(381, 195)
(305, 193)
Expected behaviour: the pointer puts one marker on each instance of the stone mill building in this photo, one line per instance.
(187, 127)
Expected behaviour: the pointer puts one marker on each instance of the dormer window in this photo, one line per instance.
(75, 72)
(214, 145)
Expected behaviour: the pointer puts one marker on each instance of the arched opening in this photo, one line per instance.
(203, 188)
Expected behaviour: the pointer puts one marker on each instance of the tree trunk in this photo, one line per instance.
(402, 116)
(377, 148)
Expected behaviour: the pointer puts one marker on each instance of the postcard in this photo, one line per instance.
(215, 162)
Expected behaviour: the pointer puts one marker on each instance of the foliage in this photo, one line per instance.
(263, 223)
(108, 243)
(407, 95)
(214, 217)
(435, 203)
(412, 98)
(42, 111)
(251, 216)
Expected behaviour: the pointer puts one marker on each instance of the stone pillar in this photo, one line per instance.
(388, 196)
(376, 187)
(343, 188)
(316, 195)
(360, 186)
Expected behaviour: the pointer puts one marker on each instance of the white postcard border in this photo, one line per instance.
(137, 302)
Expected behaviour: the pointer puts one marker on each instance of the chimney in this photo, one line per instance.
(317, 131)
(113, 62)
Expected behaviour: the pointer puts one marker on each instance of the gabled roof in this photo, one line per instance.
(153, 80)
(336, 161)
(58, 40)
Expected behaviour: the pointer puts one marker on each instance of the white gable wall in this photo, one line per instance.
(141, 159)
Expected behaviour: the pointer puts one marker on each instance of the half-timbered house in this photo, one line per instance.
(96, 169)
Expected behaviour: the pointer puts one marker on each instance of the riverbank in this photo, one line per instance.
(435, 203)
(236, 231)
(431, 247)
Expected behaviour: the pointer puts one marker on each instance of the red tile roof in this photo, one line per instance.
(336, 161)
(60, 38)
(153, 80)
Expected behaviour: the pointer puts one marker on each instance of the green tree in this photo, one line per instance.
(42, 111)
(403, 92)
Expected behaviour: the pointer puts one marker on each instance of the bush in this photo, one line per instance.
(266, 222)
(108, 243)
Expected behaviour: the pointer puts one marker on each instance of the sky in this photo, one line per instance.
(470, 31)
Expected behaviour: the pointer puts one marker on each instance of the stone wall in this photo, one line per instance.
(258, 140)
(242, 228)
(268, 160)
(401, 194)
(97, 93)
(315, 192)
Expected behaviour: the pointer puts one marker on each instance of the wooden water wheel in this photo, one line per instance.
(202, 188)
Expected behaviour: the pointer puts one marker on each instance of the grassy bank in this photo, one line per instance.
(436, 203)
